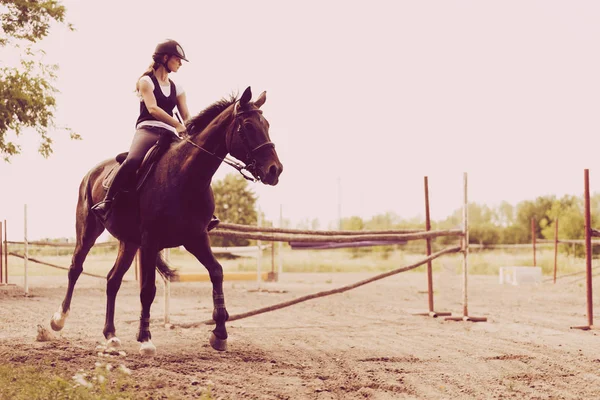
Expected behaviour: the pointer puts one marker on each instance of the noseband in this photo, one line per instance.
(239, 119)
(252, 166)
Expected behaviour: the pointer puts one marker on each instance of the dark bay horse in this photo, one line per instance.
(173, 208)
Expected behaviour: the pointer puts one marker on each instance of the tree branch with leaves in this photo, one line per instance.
(27, 96)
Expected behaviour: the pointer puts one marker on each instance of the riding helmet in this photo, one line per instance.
(170, 47)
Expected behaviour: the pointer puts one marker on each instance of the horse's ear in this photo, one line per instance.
(245, 99)
(261, 100)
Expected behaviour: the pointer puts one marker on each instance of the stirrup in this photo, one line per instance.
(213, 223)
(102, 209)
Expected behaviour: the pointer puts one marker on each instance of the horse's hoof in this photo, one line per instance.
(147, 349)
(216, 343)
(57, 322)
(113, 343)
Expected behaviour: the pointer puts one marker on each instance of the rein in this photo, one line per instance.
(239, 167)
(242, 169)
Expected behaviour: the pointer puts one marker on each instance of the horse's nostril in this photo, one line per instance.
(273, 170)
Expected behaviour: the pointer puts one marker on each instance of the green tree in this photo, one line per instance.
(26, 93)
(569, 212)
(379, 222)
(234, 203)
(353, 223)
(505, 214)
(539, 210)
(483, 224)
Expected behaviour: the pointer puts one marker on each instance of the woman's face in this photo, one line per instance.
(174, 63)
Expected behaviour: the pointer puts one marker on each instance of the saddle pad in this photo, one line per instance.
(142, 173)
(110, 176)
(152, 156)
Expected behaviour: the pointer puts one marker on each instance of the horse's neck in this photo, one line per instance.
(204, 156)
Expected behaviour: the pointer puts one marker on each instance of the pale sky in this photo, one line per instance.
(377, 94)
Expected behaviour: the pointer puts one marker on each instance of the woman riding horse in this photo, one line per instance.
(173, 208)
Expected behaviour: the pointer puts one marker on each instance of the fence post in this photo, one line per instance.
(1, 256)
(431, 312)
(5, 254)
(25, 250)
(465, 246)
(465, 251)
(167, 290)
(136, 259)
(279, 245)
(273, 274)
(588, 253)
(259, 254)
(555, 247)
(533, 238)
(428, 248)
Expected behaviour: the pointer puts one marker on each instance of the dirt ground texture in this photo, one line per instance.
(362, 344)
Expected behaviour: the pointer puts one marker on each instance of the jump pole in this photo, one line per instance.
(431, 312)
(588, 254)
(465, 251)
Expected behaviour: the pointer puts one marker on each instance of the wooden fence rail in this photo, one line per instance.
(65, 245)
(247, 228)
(339, 238)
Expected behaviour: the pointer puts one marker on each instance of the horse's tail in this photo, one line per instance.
(164, 269)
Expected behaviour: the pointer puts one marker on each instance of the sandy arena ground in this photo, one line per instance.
(362, 344)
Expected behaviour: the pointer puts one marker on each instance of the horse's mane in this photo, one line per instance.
(198, 123)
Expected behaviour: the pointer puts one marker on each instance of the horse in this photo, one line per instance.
(173, 208)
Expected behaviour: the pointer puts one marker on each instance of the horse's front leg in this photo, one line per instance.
(114, 280)
(201, 250)
(148, 256)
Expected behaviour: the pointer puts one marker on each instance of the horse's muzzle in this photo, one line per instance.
(270, 175)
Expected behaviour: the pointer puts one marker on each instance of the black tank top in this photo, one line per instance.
(164, 102)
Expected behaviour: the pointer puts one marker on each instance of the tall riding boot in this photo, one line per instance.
(124, 176)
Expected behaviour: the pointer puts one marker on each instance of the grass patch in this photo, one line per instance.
(375, 259)
(36, 383)
(32, 383)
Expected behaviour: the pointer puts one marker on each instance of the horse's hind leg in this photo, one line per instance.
(88, 230)
(201, 250)
(113, 283)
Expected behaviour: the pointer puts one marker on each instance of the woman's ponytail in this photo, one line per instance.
(149, 72)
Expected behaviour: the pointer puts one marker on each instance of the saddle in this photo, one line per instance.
(152, 156)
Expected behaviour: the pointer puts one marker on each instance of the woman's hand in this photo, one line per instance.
(181, 130)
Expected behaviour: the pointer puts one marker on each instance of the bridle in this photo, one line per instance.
(241, 168)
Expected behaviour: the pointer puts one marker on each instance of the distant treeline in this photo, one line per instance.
(504, 224)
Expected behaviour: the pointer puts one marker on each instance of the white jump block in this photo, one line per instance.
(520, 275)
